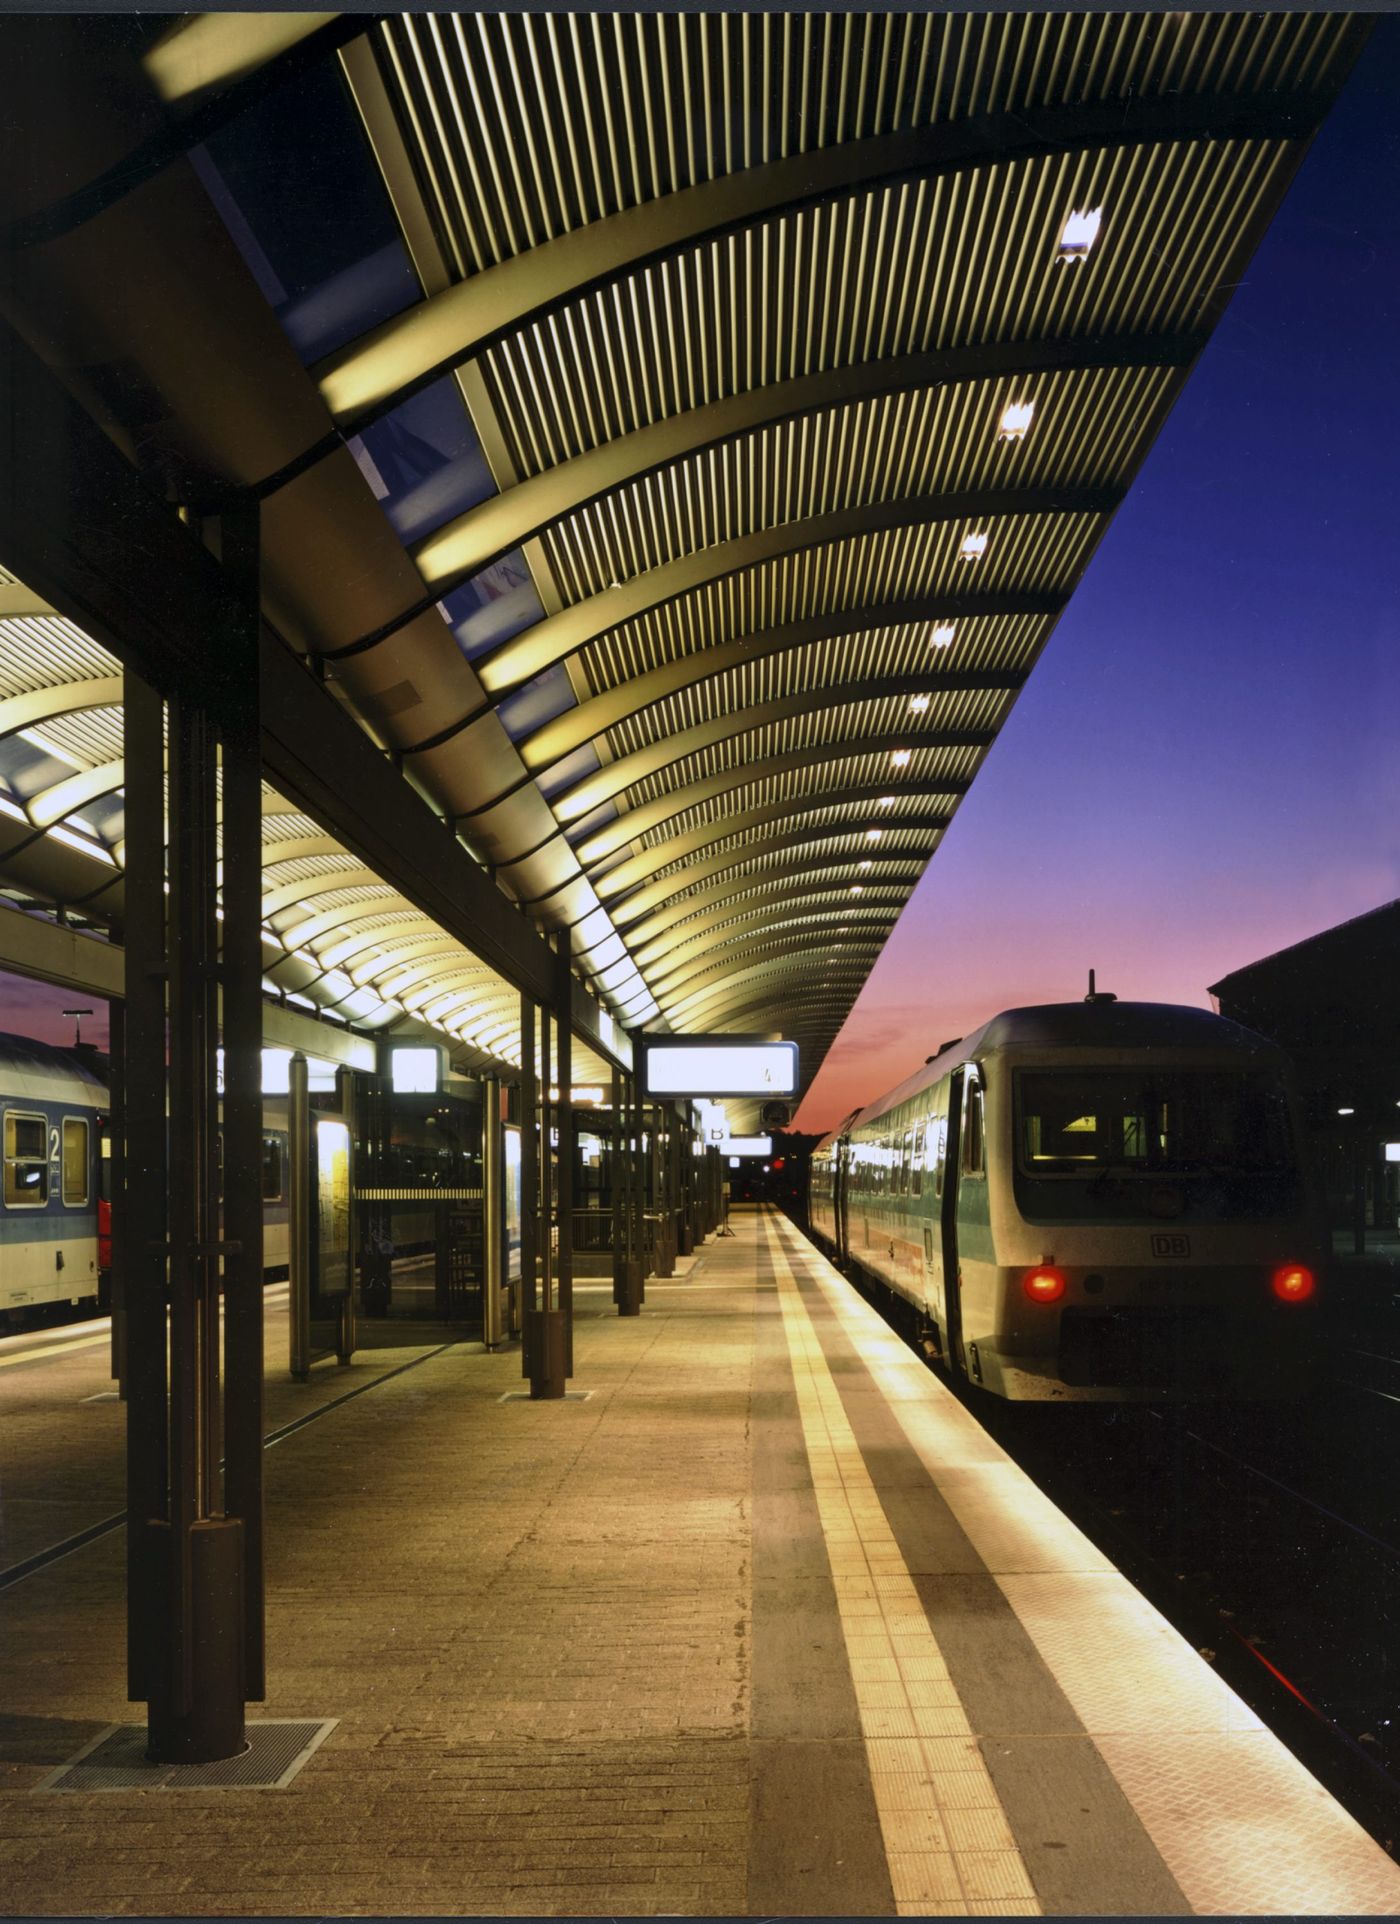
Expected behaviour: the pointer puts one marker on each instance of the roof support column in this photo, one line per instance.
(626, 1196)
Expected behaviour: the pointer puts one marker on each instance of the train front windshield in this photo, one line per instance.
(1091, 1142)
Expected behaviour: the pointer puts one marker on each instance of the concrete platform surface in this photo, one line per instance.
(767, 1625)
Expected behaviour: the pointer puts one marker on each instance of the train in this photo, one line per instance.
(55, 1201)
(1090, 1201)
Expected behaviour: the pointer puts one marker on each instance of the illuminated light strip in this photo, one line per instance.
(1240, 1824)
(947, 1842)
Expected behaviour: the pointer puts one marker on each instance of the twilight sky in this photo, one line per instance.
(1205, 766)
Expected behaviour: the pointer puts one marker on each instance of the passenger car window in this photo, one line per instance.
(75, 1161)
(26, 1160)
(272, 1169)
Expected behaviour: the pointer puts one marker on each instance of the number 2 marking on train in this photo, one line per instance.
(53, 1143)
(1171, 1245)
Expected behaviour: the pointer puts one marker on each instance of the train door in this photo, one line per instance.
(946, 1185)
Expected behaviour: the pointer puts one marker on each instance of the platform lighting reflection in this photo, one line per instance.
(943, 634)
(1079, 233)
(1015, 420)
(974, 546)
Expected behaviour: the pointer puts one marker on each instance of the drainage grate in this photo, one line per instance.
(117, 1760)
(524, 1396)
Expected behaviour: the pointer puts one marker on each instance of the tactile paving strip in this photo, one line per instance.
(117, 1760)
(947, 1842)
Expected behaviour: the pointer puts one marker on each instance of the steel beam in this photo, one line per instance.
(709, 948)
(694, 991)
(471, 542)
(716, 828)
(794, 881)
(641, 869)
(560, 636)
(83, 530)
(406, 353)
(577, 726)
(641, 821)
(615, 777)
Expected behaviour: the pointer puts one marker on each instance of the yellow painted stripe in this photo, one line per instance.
(51, 1350)
(947, 1841)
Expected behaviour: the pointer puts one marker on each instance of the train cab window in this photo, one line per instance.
(75, 1161)
(272, 1168)
(974, 1159)
(26, 1160)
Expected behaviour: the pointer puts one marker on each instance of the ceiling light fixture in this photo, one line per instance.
(900, 757)
(942, 636)
(1079, 233)
(1015, 420)
(974, 546)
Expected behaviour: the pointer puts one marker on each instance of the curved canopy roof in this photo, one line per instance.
(677, 434)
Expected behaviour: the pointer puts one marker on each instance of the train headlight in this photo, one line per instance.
(1293, 1283)
(1044, 1285)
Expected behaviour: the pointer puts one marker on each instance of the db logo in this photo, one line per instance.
(1171, 1245)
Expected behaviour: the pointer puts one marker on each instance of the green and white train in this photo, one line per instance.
(1091, 1200)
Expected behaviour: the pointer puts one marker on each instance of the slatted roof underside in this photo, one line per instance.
(349, 950)
(743, 433)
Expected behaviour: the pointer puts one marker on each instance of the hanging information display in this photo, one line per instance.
(717, 1066)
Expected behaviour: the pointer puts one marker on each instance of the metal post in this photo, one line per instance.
(139, 1205)
(663, 1205)
(493, 1221)
(196, 1702)
(543, 1358)
(627, 1217)
(116, 1180)
(299, 1219)
(564, 1054)
(345, 1101)
(529, 1172)
(241, 969)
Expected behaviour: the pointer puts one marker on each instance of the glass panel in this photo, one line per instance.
(272, 173)
(423, 460)
(75, 1160)
(26, 1160)
(272, 1166)
(492, 606)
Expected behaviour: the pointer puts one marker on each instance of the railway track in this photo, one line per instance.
(1268, 1537)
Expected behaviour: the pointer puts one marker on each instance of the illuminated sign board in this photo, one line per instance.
(747, 1146)
(717, 1066)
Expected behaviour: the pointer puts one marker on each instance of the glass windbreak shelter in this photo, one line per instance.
(419, 1187)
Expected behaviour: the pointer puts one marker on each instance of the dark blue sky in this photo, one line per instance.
(1204, 766)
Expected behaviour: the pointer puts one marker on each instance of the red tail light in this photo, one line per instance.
(1293, 1283)
(1044, 1285)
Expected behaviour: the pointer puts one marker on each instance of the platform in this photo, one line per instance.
(764, 1624)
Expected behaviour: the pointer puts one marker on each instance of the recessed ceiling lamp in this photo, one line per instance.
(873, 834)
(943, 633)
(861, 867)
(918, 703)
(1079, 233)
(1015, 420)
(887, 801)
(856, 889)
(900, 757)
(974, 546)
